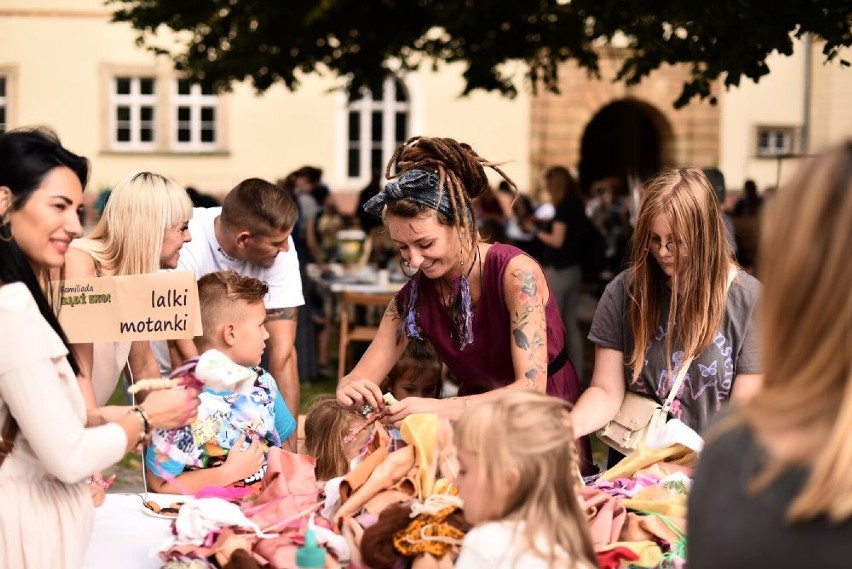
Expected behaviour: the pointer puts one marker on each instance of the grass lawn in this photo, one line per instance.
(317, 387)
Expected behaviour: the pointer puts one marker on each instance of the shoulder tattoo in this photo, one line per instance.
(392, 312)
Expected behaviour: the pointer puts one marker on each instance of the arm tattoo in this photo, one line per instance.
(531, 374)
(530, 313)
(288, 313)
(526, 282)
(391, 311)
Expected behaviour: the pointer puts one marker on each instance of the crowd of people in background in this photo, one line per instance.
(581, 239)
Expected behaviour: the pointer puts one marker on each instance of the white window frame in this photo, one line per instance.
(365, 106)
(772, 133)
(196, 101)
(135, 100)
(4, 126)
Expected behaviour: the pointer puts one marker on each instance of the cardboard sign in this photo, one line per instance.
(157, 306)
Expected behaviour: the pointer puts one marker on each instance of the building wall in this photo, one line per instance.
(60, 58)
(690, 136)
(831, 100)
(778, 99)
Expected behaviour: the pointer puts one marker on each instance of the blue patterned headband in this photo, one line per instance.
(419, 186)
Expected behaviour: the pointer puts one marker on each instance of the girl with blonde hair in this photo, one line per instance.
(142, 229)
(683, 298)
(517, 466)
(780, 463)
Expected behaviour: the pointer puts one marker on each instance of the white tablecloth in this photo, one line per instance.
(125, 536)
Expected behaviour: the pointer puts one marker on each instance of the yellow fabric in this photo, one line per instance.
(443, 486)
(674, 508)
(645, 456)
(421, 432)
(649, 552)
(659, 499)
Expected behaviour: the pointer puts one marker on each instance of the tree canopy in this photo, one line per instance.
(362, 42)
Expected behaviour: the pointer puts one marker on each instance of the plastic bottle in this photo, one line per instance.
(310, 555)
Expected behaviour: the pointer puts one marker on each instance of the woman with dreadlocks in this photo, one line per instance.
(485, 308)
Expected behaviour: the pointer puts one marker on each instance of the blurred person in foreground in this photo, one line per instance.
(773, 484)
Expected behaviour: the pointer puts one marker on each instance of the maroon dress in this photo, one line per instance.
(486, 364)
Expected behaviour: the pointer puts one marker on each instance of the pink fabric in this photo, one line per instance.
(289, 493)
(360, 474)
(606, 515)
(393, 468)
(627, 487)
(288, 489)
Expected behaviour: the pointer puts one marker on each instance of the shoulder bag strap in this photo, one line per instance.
(681, 374)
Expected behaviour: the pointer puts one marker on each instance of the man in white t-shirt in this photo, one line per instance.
(250, 234)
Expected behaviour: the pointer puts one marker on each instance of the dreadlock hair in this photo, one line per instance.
(461, 172)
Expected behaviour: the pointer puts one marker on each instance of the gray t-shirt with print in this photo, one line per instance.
(710, 378)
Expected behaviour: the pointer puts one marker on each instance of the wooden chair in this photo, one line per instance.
(350, 331)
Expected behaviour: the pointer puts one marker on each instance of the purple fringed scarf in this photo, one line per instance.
(461, 312)
(409, 322)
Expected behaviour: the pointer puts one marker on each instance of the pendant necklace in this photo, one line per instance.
(446, 298)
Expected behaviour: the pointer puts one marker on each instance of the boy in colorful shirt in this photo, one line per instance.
(226, 445)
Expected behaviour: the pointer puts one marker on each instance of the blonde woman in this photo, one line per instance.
(515, 463)
(780, 463)
(142, 229)
(674, 303)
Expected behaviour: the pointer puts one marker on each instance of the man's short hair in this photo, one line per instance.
(219, 292)
(259, 207)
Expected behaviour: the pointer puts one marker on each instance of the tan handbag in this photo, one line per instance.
(639, 417)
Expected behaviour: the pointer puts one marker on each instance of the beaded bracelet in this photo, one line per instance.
(105, 484)
(143, 422)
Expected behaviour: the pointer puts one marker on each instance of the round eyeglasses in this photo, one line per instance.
(672, 246)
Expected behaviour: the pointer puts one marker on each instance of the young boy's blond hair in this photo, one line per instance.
(219, 295)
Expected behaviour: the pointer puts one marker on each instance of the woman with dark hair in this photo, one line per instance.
(486, 309)
(562, 243)
(49, 442)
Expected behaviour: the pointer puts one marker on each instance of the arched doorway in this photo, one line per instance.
(624, 138)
